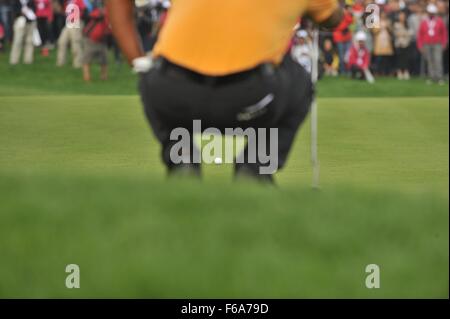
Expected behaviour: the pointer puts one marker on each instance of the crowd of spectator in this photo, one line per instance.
(79, 25)
(45, 24)
(401, 38)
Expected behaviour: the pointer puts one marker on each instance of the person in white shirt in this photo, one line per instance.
(24, 29)
(302, 50)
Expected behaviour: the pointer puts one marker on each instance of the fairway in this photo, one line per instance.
(81, 182)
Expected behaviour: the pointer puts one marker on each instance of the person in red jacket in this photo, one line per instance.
(94, 40)
(432, 41)
(359, 58)
(342, 36)
(44, 14)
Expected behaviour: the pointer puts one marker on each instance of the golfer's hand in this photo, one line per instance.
(142, 64)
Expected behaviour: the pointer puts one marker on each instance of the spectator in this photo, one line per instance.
(59, 19)
(383, 49)
(24, 28)
(342, 36)
(73, 37)
(302, 51)
(5, 18)
(94, 40)
(403, 37)
(159, 10)
(330, 60)
(443, 11)
(359, 58)
(144, 24)
(432, 41)
(44, 14)
(414, 20)
(2, 37)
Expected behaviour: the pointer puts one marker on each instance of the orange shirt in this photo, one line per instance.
(219, 37)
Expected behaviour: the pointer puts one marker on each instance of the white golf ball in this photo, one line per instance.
(218, 160)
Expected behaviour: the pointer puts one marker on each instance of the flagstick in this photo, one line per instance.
(314, 113)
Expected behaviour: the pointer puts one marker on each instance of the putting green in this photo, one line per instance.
(387, 143)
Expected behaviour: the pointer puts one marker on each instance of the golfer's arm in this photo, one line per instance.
(121, 17)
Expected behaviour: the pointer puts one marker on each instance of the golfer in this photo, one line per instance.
(223, 62)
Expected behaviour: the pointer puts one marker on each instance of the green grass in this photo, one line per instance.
(395, 143)
(81, 182)
(43, 78)
(144, 237)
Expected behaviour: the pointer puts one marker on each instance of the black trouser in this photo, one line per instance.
(357, 73)
(383, 64)
(403, 58)
(44, 30)
(173, 97)
(416, 60)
